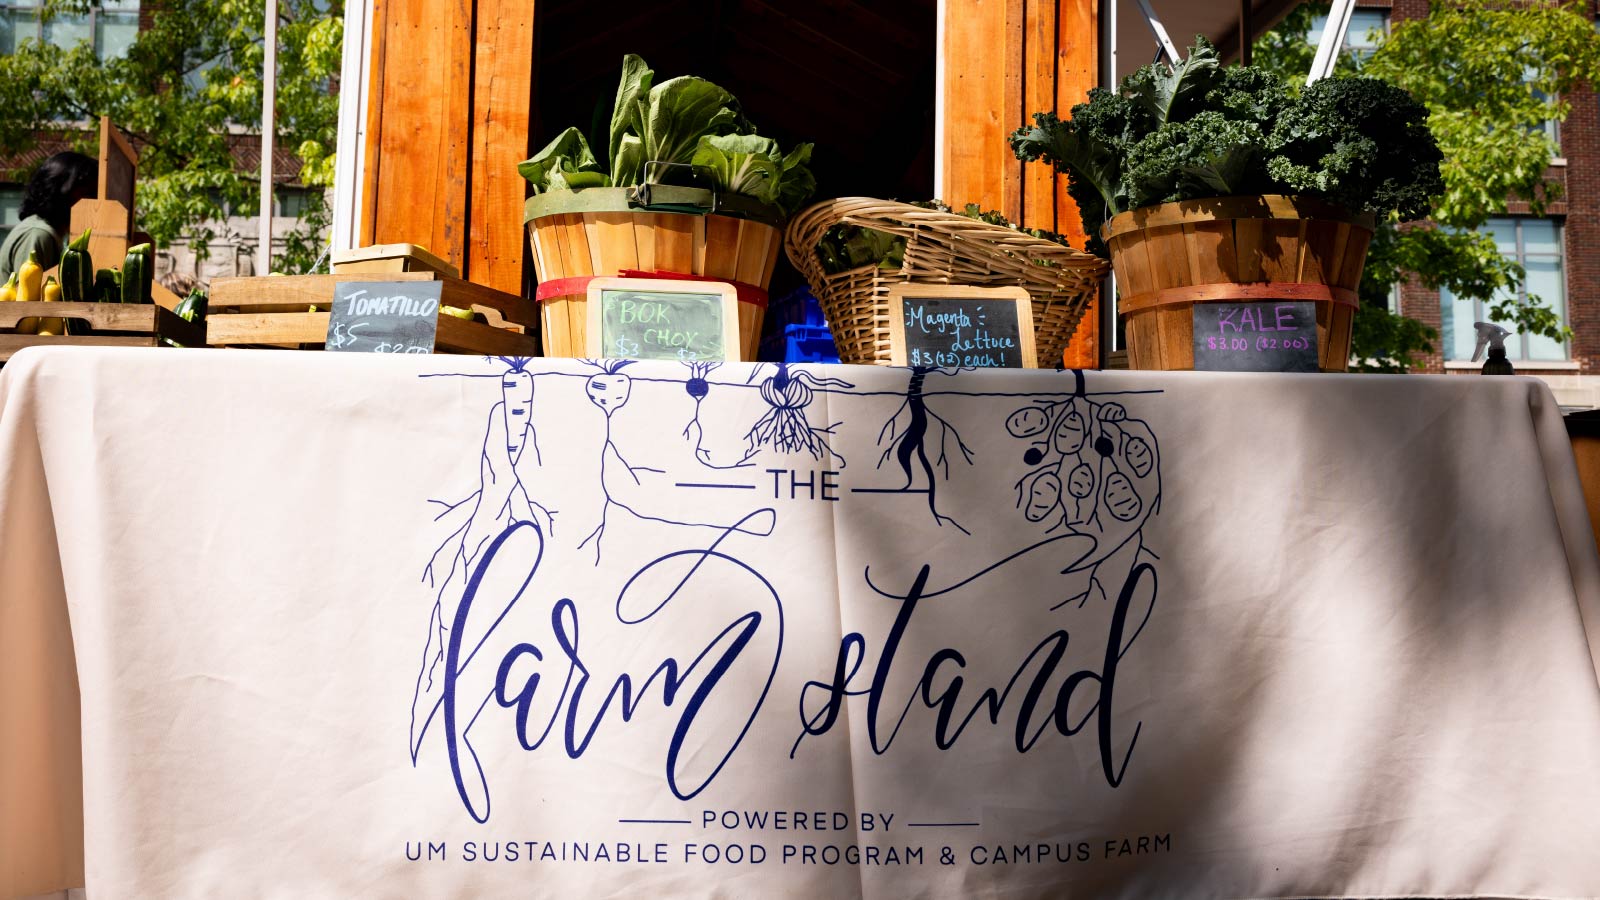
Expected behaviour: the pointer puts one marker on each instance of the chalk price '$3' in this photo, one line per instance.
(1262, 342)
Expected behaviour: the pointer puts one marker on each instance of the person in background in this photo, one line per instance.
(61, 181)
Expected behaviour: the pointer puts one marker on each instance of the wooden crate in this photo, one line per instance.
(388, 259)
(110, 324)
(273, 311)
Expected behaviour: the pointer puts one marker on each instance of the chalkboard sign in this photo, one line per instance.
(961, 327)
(1262, 336)
(658, 318)
(384, 316)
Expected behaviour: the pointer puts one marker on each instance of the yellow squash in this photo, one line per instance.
(9, 291)
(30, 288)
(51, 324)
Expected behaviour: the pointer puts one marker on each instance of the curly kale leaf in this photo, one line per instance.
(1249, 94)
(1176, 93)
(1090, 148)
(1361, 143)
(1210, 155)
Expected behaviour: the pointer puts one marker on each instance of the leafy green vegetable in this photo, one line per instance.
(687, 121)
(636, 80)
(568, 154)
(1090, 148)
(845, 247)
(1198, 130)
(1175, 94)
(1209, 155)
(742, 163)
(1361, 143)
(673, 117)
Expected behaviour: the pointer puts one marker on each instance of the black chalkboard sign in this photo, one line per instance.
(652, 318)
(1261, 336)
(384, 316)
(957, 327)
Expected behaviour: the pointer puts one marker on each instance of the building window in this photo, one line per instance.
(109, 27)
(1536, 244)
(10, 210)
(1368, 28)
(290, 202)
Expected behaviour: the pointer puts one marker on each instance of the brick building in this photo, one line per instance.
(1560, 251)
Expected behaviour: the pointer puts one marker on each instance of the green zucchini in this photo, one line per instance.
(138, 275)
(77, 272)
(108, 286)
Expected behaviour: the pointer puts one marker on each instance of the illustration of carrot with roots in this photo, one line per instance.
(609, 390)
(510, 440)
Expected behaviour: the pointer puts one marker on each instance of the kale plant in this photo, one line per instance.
(1361, 143)
(1199, 129)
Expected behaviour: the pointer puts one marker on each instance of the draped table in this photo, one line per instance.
(283, 624)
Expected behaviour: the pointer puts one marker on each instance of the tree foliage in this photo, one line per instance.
(188, 84)
(1491, 74)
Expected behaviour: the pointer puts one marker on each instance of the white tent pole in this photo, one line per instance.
(1160, 31)
(1332, 41)
(350, 158)
(269, 124)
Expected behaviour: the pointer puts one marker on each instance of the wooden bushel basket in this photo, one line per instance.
(1167, 258)
(606, 232)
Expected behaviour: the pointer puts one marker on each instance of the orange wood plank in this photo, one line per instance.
(501, 104)
(979, 37)
(423, 149)
(1039, 94)
(1077, 70)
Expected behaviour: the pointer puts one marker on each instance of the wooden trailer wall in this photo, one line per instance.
(451, 101)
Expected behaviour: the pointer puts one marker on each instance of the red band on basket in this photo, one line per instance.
(568, 287)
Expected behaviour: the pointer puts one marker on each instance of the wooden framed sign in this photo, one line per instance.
(658, 318)
(384, 316)
(961, 327)
(1258, 336)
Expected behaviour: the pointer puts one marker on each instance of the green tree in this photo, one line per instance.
(187, 84)
(1491, 74)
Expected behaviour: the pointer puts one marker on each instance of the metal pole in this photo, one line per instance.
(1246, 32)
(1332, 42)
(269, 98)
(1160, 31)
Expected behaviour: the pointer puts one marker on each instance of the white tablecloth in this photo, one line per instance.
(339, 625)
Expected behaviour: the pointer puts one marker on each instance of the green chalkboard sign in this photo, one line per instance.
(650, 318)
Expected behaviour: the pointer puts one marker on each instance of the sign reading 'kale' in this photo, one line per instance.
(1263, 336)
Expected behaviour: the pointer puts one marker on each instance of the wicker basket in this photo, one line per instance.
(941, 248)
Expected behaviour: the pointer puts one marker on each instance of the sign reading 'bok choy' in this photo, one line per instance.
(651, 318)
